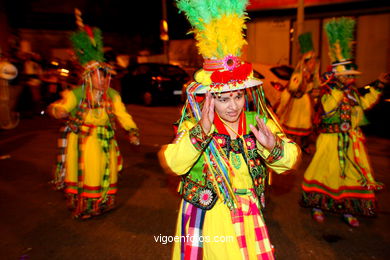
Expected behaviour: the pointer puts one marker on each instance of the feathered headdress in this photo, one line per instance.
(340, 37)
(307, 51)
(218, 26)
(88, 44)
(305, 43)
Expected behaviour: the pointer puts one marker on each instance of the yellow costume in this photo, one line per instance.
(295, 110)
(88, 168)
(339, 177)
(223, 179)
(89, 158)
(180, 158)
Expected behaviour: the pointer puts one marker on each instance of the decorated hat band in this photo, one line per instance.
(95, 65)
(228, 74)
(230, 62)
(345, 68)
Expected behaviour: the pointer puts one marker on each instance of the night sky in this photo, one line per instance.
(128, 17)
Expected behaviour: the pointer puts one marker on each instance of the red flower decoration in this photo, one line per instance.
(220, 140)
(238, 74)
(250, 143)
(242, 72)
(221, 76)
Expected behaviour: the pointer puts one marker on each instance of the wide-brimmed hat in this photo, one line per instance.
(340, 34)
(218, 26)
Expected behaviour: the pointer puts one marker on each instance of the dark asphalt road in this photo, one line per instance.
(35, 224)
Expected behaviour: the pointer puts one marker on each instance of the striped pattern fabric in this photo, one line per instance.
(92, 200)
(192, 249)
(105, 135)
(59, 174)
(247, 206)
(366, 173)
(355, 138)
(342, 147)
(343, 192)
(213, 65)
(277, 152)
(90, 191)
(296, 131)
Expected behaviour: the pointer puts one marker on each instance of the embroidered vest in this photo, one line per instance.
(77, 115)
(197, 187)
(339, 121)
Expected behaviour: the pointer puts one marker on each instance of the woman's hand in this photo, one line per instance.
(207, 113)
(134, 140)
(58, 112)
(384, 78)
(263, 134)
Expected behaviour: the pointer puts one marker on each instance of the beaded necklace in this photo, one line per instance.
(235, 158)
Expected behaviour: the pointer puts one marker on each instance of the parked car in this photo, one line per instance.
(153, 83)
(275, 79)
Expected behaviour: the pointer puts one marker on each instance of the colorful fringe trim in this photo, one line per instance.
(354, 206)
(84, 207)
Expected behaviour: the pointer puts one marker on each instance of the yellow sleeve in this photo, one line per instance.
(68, 102)
(286, 154)
(179, 156)
(120, 112)
(331, 101)
(369, 100)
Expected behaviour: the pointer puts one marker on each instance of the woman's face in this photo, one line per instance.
(229, 105)
(100, 79)
(347, 80)
(310, 65)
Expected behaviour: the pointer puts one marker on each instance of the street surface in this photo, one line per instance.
(35, 224)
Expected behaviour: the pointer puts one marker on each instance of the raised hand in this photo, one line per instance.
(207, 118)
(57, 112)
(263, 134)
(134, 140)
(384, 78)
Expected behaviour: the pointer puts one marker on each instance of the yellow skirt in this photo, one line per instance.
(295, 114)
(325, 187)
(85, 191)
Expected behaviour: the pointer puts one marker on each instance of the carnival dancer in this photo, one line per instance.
(223, 150)
(339, 178)
(296, 108)
(89, 162)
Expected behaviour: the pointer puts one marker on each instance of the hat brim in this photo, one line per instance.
(348, 72)
(251, 82)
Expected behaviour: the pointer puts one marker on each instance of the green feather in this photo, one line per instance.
(85, 50)
(305, 43)
(341, 31)
(201, 12)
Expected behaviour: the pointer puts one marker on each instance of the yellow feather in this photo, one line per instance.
(222, 37)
